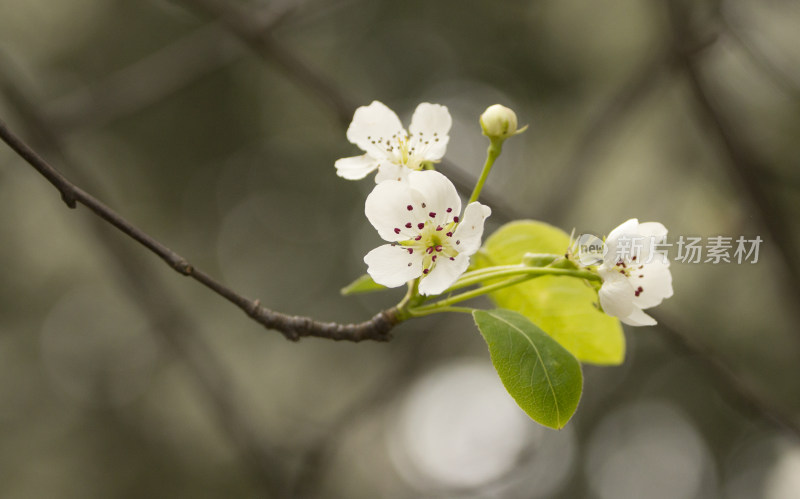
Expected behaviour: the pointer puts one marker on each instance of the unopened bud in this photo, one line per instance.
(500, 122)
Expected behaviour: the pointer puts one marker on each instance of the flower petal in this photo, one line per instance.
(627, 230)
(655, 280)
(638, 318)
(391, 171)
(444, 274)
(392, 265)
(356, 167)
(430, 126)
(439, 195)
(616, 295)
(372, 126)
(467, 235)
(387, 210)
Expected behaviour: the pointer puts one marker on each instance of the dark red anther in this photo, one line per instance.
(396, 230)
(439, 247)
(439, 228)
(420, 226)
(455, 219)
(410, 250)
(449, 234)
(418, 238)
(409, 207)
(449, 210)
(408, 225)
(432, 214)
(425, 271)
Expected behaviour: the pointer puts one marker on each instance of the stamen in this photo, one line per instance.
(396, 230)
(410, 250)
(449, 234)
(408, 225)
(420, 226)
(439, 228)
(409, 207)
(425, 271)
(455, 219)
(432, 214)
(439, 247)
(449, 210)
(418, 238)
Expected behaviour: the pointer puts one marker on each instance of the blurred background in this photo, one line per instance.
(214, 126)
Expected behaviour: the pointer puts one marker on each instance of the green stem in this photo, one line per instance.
(521, 272)
(447, 302)
(478, 276)
(495, 148)
(417, 313)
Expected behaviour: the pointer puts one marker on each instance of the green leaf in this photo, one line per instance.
(363, 284)
(564, 307)
(542, 376)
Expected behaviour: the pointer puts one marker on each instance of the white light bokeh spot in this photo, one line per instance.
(647, 449)
(783, 481)
(458, 428)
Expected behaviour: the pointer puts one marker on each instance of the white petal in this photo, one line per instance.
(444, 274)
(616, 295)
(627, 230)
(387, 210)
(392, 171)
(372, 126)
(430, 127)
(438, 194)
(638, 318)
(656, 284)
(393, 266)
(356, 167)
(467, 237)
(653, 229)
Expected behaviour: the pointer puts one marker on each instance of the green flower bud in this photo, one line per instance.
(499, 122)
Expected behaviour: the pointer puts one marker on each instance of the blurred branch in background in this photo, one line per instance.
(742, 162)
(168, 322)
(153, 78)
(240, 22)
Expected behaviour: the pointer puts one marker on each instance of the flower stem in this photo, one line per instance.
(495, 148)
(442, 305)
(481, 275)
(518, 274)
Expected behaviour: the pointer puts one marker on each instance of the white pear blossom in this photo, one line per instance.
(421, 219)
(391, 150)
(635, 274)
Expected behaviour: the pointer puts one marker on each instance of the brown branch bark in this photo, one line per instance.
(292, 327)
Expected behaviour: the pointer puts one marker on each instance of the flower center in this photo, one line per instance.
(434, 242)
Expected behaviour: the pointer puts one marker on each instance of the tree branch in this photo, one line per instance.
(292, 327)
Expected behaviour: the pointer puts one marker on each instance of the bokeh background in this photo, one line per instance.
(214, 126)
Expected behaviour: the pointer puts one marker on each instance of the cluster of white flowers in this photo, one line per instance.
(418, 212)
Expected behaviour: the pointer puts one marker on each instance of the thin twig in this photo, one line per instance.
(292, 327)
(169, 323)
